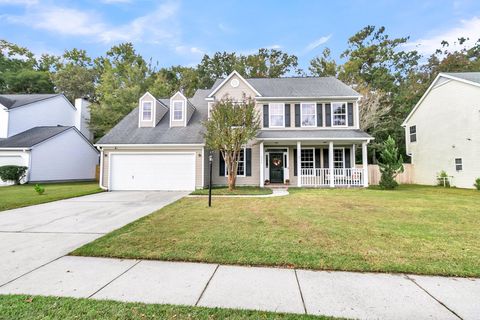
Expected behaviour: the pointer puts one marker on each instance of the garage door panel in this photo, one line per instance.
(152, 171)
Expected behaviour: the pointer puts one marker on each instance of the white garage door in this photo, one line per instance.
(152, 171)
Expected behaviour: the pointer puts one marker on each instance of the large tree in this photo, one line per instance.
(75, 75)
(323, 65)
(123, 80)
(230, 127)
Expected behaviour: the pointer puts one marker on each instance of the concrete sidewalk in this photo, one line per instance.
(341, 294)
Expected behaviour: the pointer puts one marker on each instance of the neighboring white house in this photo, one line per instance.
(47, 134)
(443, 130)
(309, 137)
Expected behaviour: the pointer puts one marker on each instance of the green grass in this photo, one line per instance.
(36, 308)
(24, 195)
(238, 191)
(414, 229)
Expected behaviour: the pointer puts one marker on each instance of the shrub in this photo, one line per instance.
(13, 173)
(391, 164)
(39, 189)
(477, 184)
(443, 179)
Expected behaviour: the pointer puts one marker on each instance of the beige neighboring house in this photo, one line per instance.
(309, 137)
(443, 130)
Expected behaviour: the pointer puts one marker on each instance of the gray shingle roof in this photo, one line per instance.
(128, 132)
(11, 101)
(31, 137)
(314, 134)
(470, 76)
(308, 87)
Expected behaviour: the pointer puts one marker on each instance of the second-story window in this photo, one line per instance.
(309, 114)
(147, 111)
(277, 114)
(339, 114)
(178, 110)
(413, 133)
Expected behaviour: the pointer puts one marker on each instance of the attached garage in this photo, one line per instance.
(152, 171)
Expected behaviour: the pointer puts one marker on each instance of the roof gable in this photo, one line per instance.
(12, 101)
(472, 78)
(225, 81)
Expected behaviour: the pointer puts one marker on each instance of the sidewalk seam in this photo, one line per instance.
(433, 297)
(301, 293)
(206, 286)
(28, 272)
(121, 274)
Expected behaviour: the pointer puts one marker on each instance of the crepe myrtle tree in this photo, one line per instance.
(230, 126)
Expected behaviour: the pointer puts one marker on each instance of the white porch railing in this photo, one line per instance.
(341, 177)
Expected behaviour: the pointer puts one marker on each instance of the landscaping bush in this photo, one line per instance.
(39, 189)
(391, 164)
(13, 173)
(477, 184)
(443, 179)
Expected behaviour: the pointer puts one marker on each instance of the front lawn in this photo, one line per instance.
(415, 229)
(53, 308)
(237, 191)
(12, 197)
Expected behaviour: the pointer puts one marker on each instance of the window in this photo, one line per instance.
(339, 158)
(309, 114)
(307, 159)
(147, 111)
(413, 133)
(241, 164)
(210, 106)
(339, 114)
(178, 110)
(458, 164)
(277, 114)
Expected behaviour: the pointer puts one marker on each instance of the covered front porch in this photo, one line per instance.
(314, 163)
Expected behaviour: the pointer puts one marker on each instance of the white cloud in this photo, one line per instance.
(153, 27)
(467, 29)
(189, 50)
(317, 43)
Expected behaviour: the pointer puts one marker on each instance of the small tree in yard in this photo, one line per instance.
(13, 173)
(391, 164)
(231, 125)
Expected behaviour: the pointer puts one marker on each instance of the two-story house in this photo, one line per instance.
(443, 130)
(47, 134)
(310, 135)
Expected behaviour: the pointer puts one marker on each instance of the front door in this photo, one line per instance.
(276, 167)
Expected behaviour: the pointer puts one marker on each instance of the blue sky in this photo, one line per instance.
(180, 32)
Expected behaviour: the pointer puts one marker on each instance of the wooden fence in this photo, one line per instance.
(403, 178)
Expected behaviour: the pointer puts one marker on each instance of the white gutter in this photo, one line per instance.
(15, 149)
(148, 145)
(310, 139)
(306, 98)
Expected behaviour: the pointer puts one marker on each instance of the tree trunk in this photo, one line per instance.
(231, 181)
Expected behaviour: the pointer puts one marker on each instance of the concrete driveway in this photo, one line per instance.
(34, 236)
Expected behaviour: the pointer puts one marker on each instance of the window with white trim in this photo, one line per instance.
(147, 111)
(241, 164)
(339, 158)
(276, 114)
(413, 133)
(309, 114)
(458, 164)
(339, 114)
(178, 110)
(307, 159)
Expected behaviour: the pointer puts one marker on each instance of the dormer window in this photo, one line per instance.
(178, 110)
(147, 111)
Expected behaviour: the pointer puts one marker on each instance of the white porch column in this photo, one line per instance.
(330, 164)
(299, 164)
(353, 155)
(365, 164)
(262, 166)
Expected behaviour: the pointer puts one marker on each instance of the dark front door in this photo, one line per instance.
(276, 167)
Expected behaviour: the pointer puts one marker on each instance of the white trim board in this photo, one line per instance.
(234, 73)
